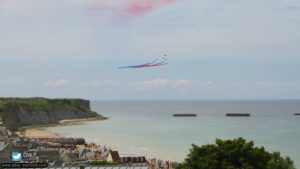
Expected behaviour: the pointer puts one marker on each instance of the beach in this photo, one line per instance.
(42, 136)
(41, 131)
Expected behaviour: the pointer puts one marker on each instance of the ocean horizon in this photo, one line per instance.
(147, 127)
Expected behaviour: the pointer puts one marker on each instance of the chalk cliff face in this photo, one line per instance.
(18, 112)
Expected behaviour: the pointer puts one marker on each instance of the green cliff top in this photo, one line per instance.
(48, 105)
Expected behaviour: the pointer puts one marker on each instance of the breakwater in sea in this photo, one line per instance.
(238, 114)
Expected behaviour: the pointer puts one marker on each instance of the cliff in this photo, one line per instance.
(20, 112)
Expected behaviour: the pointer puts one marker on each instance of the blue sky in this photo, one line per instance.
(216, 49)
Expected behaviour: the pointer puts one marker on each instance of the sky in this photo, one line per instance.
(216, 49)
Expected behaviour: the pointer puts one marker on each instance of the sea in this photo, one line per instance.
(148, 128)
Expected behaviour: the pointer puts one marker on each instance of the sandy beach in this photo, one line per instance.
(41, 131)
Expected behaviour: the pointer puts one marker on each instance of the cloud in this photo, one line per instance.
(102, 83)
(130, 85)
(181, 85)
(208, 83)
(194, 89)
(181, 82)
(184, 85)
(60, 82)
(154, 84)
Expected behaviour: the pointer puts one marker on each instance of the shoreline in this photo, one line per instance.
(37, 131)
(44, 133)
(41, 131)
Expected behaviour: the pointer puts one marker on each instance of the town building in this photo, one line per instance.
(134, 160)
(3, 146)
(113, 156)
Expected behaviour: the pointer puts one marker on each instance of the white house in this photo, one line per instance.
(3, 146)
(2, 131)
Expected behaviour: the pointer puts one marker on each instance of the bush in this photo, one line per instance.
(72, 165)
(232, 154)
(95, 163)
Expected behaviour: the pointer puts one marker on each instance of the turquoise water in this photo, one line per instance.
(148, 128)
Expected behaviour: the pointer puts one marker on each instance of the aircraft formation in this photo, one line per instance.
(156, 62)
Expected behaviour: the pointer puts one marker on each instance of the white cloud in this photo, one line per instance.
(181, 82)
(102, 83)
(60, 82)
(194, 89)
(181, 85)
(154, 84)
(185, 85)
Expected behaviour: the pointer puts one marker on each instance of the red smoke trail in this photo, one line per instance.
(144, 66)
(127, 9)
(136, 8)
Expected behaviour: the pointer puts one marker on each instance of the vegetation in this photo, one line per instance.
(234, 154)
(72, 165)
(44, 104)
(278, 162)
(100, 163)
(2, 109)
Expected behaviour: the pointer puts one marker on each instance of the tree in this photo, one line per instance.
(233, 154)
(279, 162)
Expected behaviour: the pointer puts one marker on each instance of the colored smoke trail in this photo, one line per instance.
(152, 64)
(127, 9)
(137, 8)
(144, 66)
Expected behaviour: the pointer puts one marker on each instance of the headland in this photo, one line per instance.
(19, 113)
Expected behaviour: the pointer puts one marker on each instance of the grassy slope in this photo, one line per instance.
(44, 104)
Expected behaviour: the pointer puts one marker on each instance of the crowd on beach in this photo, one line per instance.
(88, 151)
(75, 144)
(154, 163)
(51, 144)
